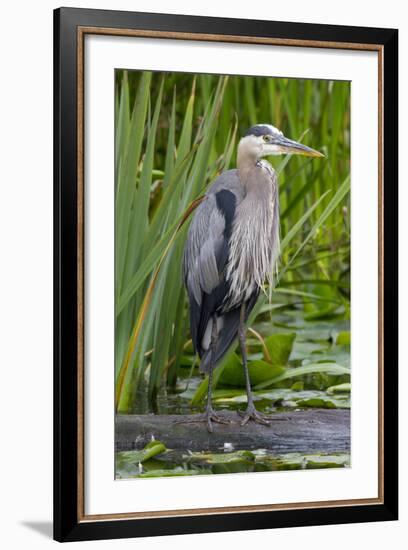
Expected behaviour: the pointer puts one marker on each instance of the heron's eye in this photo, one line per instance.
(267, 139)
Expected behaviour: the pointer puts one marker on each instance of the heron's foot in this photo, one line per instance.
(209, 416)
(252, 414)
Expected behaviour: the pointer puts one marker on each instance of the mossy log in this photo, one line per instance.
(310, 430)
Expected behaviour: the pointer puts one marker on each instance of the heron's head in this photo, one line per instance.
(263, 140)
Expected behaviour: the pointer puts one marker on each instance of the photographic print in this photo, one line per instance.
(232, 274)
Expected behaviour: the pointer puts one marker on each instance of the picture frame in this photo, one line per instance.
(71, 27)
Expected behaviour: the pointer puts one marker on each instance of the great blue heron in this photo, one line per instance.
(231, 249)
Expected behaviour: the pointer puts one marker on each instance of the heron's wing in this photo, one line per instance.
(205, 257)
(204, 241)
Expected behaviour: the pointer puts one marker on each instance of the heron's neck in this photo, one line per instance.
(246, 163)
(256, 175)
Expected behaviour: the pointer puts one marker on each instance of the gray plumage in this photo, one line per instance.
(233, 256)
(232, 248)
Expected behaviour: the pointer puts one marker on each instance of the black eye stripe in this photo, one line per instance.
(259, 130)
(266, 132)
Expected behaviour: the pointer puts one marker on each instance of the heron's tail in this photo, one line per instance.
(226, 336)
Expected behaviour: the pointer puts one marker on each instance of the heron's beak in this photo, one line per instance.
(289, 146)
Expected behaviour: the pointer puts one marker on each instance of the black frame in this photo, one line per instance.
(66, 524)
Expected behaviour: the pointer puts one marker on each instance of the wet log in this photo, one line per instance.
(310, 430)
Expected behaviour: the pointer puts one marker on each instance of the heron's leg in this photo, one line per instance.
(250, 413)
(210, 415)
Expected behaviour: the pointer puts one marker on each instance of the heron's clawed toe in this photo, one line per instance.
(209, 416)
(212, 416)
(252, 414)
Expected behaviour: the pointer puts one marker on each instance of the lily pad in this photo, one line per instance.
(327, 461)
(283, 397)
(177, 472)
(340, 388)
(225, 463)
(259, 371)
(328, 368)
(279, 346)
(153, 448)
(270, 463)
(129, 463)
(221, 458)
(308, 351)
(298, 461)
(343, 338)
(335, 354)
